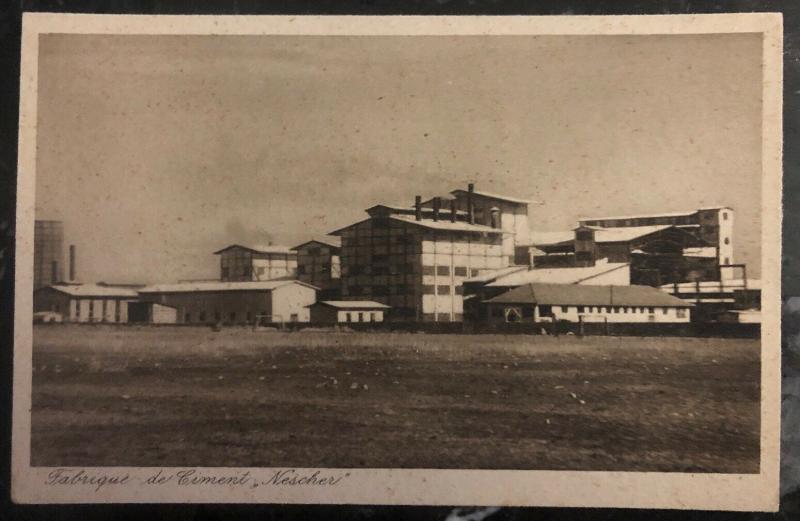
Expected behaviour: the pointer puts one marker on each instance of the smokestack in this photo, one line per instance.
(54, 273)
(418, 207)
(437, 204)
(470, 203)
(495, 217)
(452, 210)
(72, 263)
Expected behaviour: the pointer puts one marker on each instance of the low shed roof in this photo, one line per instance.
(94, 290)
(187, 287)
(573, 294)
(353, 304)
(284, 250)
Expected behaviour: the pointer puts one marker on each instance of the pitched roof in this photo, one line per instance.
(574, 294)
(545, 238)
(353, 304)
(333, 242)
(491, 275)
(189, 287)
(489, 195)
(259, 249)
(559, 275)
(94, 290)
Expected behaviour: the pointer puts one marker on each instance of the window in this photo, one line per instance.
(681, 312)
(564, 309)
(651, 310)
(665, 310)
(428, 289)
(475, 273)
(118, 311)
(443, 270)
(580, 309)
(442, 290)
(724, 216)
(459, 290)
(293, 317)
(360, 317)
(727, 240)
(727, 260)
(460, 272)
(428, 270)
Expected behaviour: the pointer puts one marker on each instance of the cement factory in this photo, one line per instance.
(470, 258)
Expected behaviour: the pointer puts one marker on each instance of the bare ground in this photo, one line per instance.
(108, 396)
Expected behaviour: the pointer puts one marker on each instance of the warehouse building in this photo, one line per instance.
(86, 302)
(318, 264)
(329, 312)
(539, 302)
(254, 263)
(232, 303)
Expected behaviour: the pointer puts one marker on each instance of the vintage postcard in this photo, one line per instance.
(399, 260)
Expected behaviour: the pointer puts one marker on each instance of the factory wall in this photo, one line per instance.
(82, 309)
(210, 307)
(499, 313)
(289, 303)
(240, 264)
(319, 265)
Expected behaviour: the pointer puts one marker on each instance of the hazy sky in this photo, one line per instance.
(156, 151)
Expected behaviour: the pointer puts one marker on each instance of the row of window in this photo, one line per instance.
(441, 289)
(363, 316)
(90, 314)
(202, 318)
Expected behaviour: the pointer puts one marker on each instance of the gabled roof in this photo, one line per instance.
(259, 249)
(93, 290)
(441, 224)
(574, 294)
(189, 287)
(333, 242)
(560, 275)
(352, 304)
(489, 195)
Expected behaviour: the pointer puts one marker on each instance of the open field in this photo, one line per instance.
(105, 395)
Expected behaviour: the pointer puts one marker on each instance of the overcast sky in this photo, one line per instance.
(156, 151)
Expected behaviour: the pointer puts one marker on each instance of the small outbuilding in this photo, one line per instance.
(347, 311)
(85, 302)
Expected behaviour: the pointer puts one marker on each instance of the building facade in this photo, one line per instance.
(86, 303)
(318, 264)
(256, 263)
(234, 303)
(48, 253)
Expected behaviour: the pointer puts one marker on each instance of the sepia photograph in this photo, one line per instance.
(341, 250)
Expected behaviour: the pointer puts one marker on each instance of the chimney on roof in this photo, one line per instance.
(418, 207)
(495, 211)
(453, 210)
(72, 265)
(470, 203)
(437, 204)
(54, 273)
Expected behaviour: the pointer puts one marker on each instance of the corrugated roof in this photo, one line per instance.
(545, 238)
(188, 287)
(495, 196)
(559, 275)
(627, 233)
(94, 290)
(260, 249)
(334, 242)
(354, 304)
(574, 294)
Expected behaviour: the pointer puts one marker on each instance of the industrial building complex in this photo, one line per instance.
(469, 257)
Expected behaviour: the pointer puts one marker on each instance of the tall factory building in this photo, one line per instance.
(48, 253)
(318, 264)
(713, 226)
(416, 259)
(245, 263)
